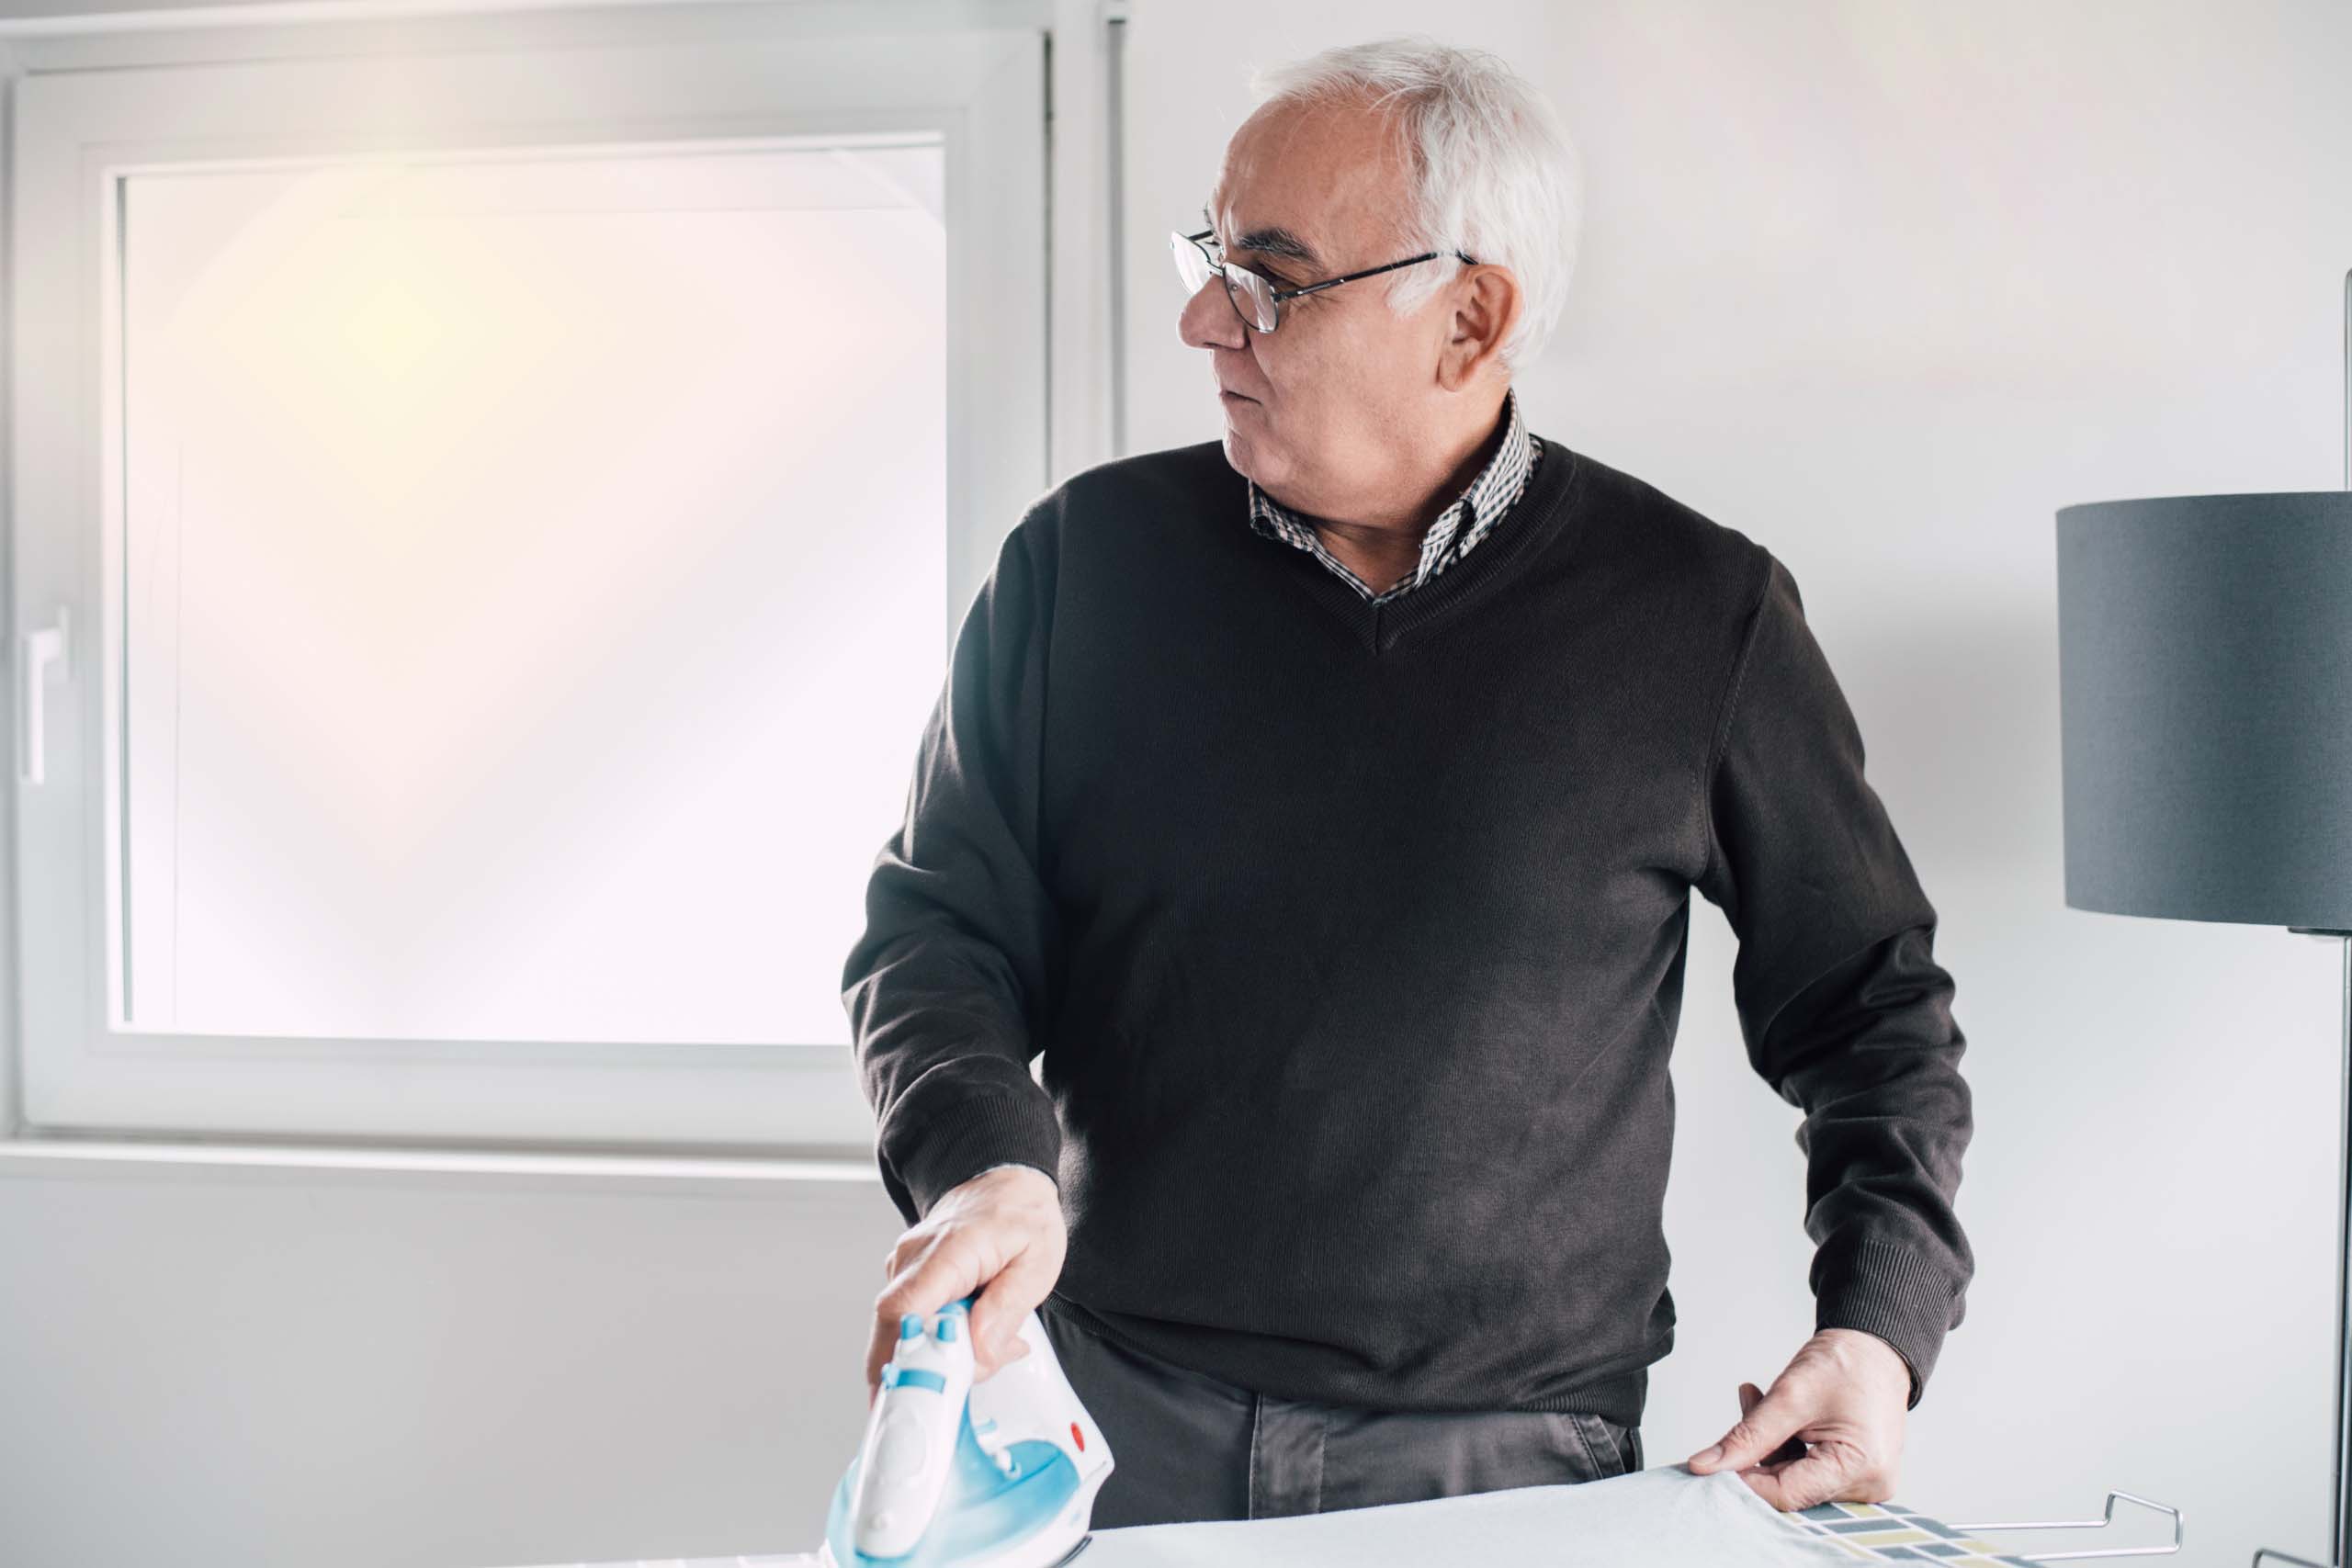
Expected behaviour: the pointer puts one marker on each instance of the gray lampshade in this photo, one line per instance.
(2205, 703)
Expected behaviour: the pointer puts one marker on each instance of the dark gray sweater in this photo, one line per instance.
(1353, 936)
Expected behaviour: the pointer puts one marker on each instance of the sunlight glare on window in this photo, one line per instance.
(533, 586)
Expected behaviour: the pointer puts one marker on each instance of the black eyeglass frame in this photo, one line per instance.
(1276, 294)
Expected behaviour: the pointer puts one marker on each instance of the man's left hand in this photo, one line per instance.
(1845, 1394)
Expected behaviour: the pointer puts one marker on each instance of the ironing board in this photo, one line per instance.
(1660, 1517)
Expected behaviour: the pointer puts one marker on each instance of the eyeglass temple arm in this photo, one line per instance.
(1282, 294)
(1368, 272)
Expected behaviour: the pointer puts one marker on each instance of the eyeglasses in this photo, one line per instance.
(1257, 300)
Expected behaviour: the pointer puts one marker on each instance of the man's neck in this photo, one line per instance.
(1383, 545)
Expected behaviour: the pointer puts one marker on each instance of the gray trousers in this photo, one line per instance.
(1187, 1446)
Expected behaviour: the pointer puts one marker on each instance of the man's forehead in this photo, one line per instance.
(1268, 239)
(1305, 183)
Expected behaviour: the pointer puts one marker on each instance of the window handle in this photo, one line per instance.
(50, 645)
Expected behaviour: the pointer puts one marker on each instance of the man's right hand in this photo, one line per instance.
(1000, 1234)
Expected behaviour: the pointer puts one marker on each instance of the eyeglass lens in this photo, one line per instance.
(1253, 299)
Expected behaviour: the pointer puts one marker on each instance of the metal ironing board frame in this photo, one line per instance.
(2179, 1529)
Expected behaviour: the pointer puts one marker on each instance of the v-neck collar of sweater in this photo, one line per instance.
(1470, 517)
(1538, 517)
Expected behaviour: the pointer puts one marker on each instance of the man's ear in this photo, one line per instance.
(1487, 303)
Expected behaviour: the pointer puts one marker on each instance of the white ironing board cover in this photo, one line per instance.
(1660, 1517)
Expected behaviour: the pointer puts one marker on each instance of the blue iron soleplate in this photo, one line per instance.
(981, 1511)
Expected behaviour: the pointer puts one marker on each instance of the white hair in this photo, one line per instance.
(1494, 175)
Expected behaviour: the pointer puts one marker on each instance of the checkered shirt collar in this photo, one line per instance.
(1499, 484)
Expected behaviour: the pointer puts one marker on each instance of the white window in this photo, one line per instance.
(506, 512)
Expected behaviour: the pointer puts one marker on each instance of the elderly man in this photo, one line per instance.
(1323, 804)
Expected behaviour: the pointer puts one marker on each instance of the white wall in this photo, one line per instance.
(224, 1369)
(1882, 285)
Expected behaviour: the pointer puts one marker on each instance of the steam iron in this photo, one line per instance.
(951, 1473)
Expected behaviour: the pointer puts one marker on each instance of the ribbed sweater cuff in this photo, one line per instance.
(972, 1134)
(1892, 1292)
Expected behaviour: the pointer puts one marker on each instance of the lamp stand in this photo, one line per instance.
(2341, 1537)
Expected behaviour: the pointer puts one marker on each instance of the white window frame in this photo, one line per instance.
(976, 72)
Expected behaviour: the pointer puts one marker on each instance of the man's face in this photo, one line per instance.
(1317, 411)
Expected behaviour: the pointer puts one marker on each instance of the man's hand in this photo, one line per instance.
(1003, 1230)
(1845, 1394)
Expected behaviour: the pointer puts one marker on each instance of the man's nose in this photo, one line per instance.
(1209, 320)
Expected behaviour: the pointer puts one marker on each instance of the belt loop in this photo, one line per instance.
(1286, 1439)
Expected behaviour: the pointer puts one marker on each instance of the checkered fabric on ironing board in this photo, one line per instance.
(1889, 1533)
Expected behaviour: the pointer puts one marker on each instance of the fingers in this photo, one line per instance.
(878, 1352)
(1852, 1417)
(1004, 1305)
(929, 1280)
(1751, 1396)
(997, 1238)
(1827, 1471)
(1765, 1425)
(1794, 1475)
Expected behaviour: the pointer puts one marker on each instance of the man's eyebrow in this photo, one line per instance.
(1271, 241)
